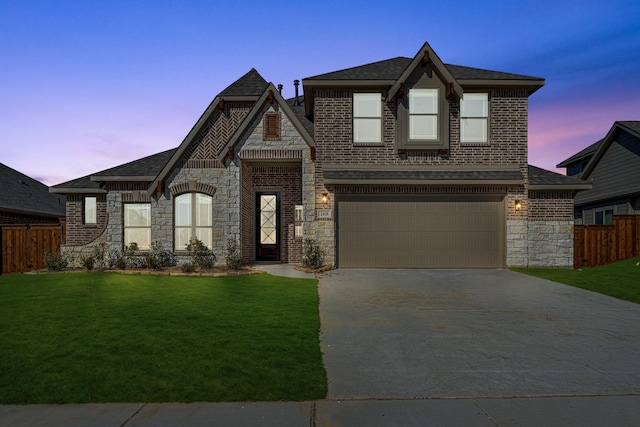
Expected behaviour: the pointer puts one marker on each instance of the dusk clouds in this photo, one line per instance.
(85, 86)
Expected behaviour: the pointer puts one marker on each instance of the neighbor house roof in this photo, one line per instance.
(145, 169)
(581, 155)
(24, 195)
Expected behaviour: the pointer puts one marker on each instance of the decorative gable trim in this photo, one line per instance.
(424, 56)
(255, 112)
(178, 188)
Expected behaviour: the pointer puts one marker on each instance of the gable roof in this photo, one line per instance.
(145, 170)
(631, 127)
(24, 195)
(246, 88)
(256, 110)
(392, 72)
(542, 179)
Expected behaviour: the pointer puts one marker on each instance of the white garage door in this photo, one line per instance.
(444, 232)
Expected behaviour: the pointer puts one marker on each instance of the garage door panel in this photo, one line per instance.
(427, 233)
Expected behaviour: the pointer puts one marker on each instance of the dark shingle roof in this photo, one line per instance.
(633, 125)
(391, 69)
(251, 84)
(147, 166)
(298, 110)
(543, 177)
(24, 194)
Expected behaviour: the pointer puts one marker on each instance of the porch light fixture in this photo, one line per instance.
(325, 197)
(518, 205)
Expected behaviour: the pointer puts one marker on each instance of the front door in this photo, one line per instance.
(268, 226)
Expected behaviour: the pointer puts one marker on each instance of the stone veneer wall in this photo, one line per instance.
(550, 229)
(507, 146)
(280, 164)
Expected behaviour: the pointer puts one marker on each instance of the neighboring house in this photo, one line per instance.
(407, 162)
(613, 166)
(23, 200)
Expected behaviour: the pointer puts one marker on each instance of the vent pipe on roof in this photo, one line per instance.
(296, 83)
(280, 88)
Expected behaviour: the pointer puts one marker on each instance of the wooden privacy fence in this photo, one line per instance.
(23, 246)
(604, 244)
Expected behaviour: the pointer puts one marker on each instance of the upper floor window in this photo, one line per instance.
(423, 114)
(137, 225)
(474, 118)
(193, 219)
(367, 118)
(91, 210)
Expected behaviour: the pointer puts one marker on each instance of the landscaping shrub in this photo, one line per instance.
(233, 258)
(200, 254)
(188, 267)
(55, 261)
(312, 254)
(87, 261)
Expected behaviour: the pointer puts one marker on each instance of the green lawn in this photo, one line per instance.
(109, 337)
(620, 280)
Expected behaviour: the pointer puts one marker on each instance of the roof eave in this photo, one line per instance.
(32, 213)
(560, 187)
(364, 181)
(72, 190)
(530, 85)
(122, 178)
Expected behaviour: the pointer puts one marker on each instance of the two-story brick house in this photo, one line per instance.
(407, 162)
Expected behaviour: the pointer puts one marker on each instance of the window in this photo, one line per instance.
(474, 118)
(137, 225)
(193, 219)
(90, 210)
(367, 118)
(423, 114)
(271, 126)
(299, 219)
(604, 217)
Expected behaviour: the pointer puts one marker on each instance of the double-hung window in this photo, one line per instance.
(193, 219)
(137, 225)
(474, 118)
(423, 114)
(91, 210)
(367, 118)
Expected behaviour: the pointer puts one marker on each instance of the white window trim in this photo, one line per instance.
(374, 118)
(436, 114)
(463, 138)
(141, 245)
(193, 227)
(91, 217)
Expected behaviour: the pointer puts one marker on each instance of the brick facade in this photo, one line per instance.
(79, 233)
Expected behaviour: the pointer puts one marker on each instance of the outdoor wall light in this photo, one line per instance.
(325, 197)
(518, 205)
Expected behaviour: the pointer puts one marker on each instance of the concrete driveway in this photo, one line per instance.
(407, 334)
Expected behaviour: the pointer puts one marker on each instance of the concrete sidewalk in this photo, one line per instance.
(534, 411)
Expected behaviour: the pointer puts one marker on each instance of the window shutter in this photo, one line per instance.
(272, 126)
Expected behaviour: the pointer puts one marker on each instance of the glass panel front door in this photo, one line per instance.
(268, 233)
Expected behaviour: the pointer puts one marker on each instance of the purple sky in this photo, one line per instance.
(87, 85)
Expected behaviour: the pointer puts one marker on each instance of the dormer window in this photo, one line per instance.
(423, 114)
(474, 118)
(367, 118)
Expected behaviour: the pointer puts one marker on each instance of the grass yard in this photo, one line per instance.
(620, 280)
(109, 337)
